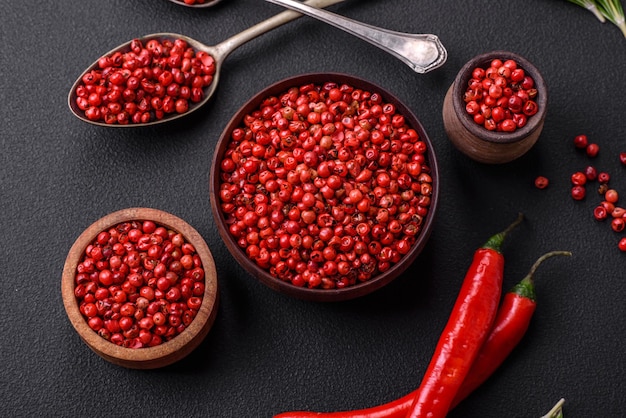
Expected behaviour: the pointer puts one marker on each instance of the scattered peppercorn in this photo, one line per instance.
(600, 213)
(591, 173)
(579, 178)
(617, 224)
(604, 177)
(581, 141)
(541, 182)
(592, 150)
(608, 206)
(578, 192)
(139, 284)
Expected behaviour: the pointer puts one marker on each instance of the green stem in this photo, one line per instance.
(526, 287)
(591, 6)
(495, 242)
(556, 411)
(593, 9)
(614, 12)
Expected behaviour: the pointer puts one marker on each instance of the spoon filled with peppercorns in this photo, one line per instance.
(164, 76)
(159, 77)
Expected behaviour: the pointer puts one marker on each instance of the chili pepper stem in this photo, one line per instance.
(556, 411)
(526, 286)
(495, 242)
(544, 257)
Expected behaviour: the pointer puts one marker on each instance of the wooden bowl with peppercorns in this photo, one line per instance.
(495, 110)
(140, 287)
(324, 187)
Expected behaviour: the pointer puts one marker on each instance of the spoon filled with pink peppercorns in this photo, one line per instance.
(159, 77)
(164, 76)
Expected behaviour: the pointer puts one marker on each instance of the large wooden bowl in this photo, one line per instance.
(317, 294)
(475, 141)
(167, 352)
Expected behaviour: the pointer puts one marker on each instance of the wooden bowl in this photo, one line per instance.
(150, 357)
(475, 141)
(285, 287)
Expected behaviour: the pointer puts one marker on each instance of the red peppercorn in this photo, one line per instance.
(541, 182)
(581, 141)
(618, 224)
(622, 245)
(618, 212)
(591, 173)
(600, 213)
(611, 196)
(578, 192)
(603, 177)
(579, 179)
(622, 158)
(592, 150)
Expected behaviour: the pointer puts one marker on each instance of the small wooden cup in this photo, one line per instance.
(167, 352)
(475, 141)
(317, 294)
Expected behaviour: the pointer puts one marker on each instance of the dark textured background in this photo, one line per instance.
(268, 353)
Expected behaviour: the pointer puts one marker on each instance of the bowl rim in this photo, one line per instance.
(169, 351)
(323, 295)
(460, 84)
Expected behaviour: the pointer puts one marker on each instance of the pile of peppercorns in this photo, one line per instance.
(139, 284)
(501, 97)
(608, 208)
(325, 186)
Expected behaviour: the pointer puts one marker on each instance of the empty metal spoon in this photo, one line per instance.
(421, 52)
(219, 53)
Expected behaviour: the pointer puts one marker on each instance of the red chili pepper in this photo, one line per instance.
(511, 323)
(467, 327)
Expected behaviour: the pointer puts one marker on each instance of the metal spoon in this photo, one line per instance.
(421, 52)
(209, 3)
(219, 52)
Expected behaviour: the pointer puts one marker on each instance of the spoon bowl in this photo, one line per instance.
(219, 53)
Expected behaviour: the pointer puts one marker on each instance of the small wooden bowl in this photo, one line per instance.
(167, 352)
(474, 140)
(316, 294)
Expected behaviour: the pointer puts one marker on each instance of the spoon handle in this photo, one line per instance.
(224, 48)
(421, 52)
